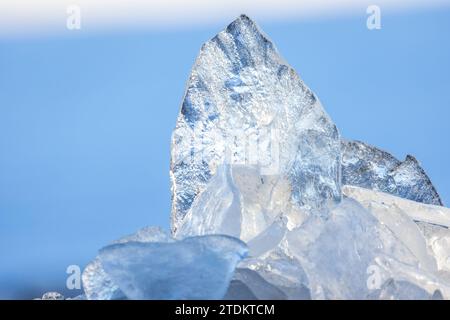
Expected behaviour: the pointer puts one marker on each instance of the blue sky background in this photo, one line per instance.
(86, 119)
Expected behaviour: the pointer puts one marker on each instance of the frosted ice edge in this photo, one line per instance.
(195, 268)
(149, 264)
(369, 167)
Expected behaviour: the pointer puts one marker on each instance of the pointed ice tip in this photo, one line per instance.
(242, 21)
(244, 17)
(245, 25)
(410, 158)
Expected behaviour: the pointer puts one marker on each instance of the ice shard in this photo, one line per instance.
(98, 285)
(277, 269)
(353, 252)
(369, 167)
(420, 212)
(244, 105)
(217, 210)
(240, 202)
(149, 264)
(249, 285)
(194, 268)
(336, 252)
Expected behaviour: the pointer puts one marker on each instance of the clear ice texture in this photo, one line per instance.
(97, 284)
(431, 214)
(194, 268)
(298, 255)
(369, 167)
(245, 105)
(151, 265)
(352, 253)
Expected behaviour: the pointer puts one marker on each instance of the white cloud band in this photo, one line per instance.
(24, 17)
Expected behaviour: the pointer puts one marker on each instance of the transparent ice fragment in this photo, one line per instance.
(280, 272)
(389, 267)
(217, 210)
(438, 241)
(355, 249)
(194, 268)
(406, 231)
(254, 286)
(417, 211)
(336, 251)
(240, 202)
(98, 285)
(269, 238)
(244, 105)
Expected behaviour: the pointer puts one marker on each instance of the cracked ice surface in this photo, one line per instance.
(241, 89)
(369, 167)
(151, 265)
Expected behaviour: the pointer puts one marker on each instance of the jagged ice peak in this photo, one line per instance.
(245, 106)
